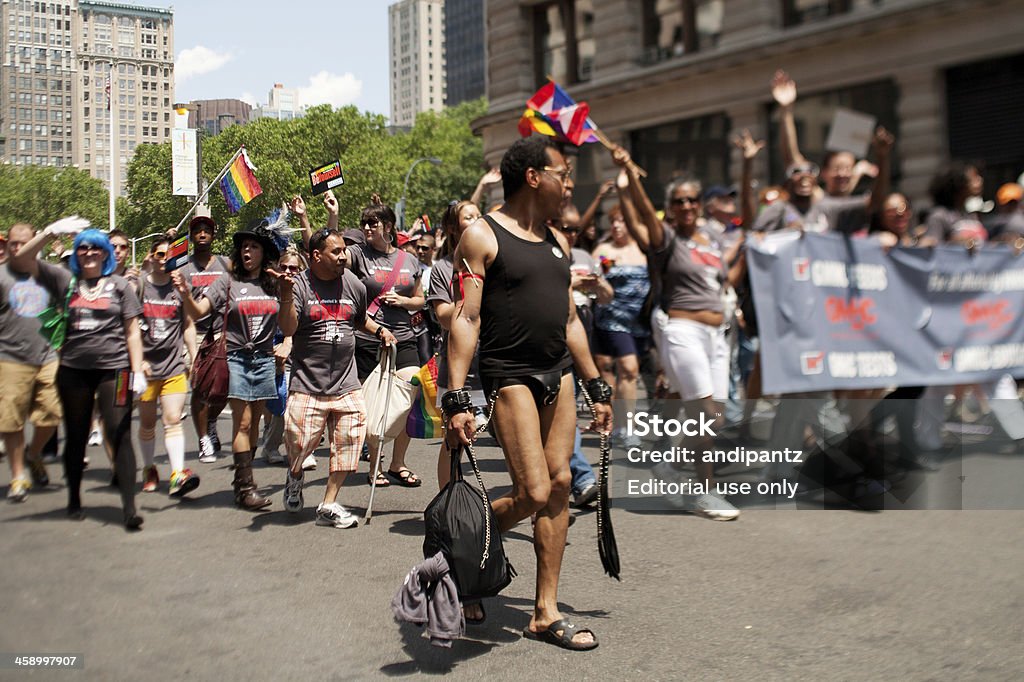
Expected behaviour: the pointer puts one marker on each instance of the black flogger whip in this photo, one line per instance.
(607, 548)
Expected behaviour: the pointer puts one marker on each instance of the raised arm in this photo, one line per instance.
(588, 217)
(749, 148)
(882, 144)
(25, 260)
(648, 230)
(784, 93)
(489, 178)
(331, 204)
(298, 207)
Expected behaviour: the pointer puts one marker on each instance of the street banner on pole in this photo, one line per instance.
(183, 162)
(835, 312)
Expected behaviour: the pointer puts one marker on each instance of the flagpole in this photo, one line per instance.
(609, 145)
(206, 192)
(114, 152)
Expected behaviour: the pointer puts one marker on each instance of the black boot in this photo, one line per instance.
(246, 495)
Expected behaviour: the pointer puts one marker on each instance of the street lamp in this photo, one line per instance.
(405, 188)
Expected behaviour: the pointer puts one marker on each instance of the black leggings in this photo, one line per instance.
(78, 389)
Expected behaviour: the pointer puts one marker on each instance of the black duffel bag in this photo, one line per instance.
(461, 525)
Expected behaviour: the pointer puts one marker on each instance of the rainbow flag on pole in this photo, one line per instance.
(239, 185)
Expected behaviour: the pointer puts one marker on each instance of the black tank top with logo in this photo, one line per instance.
(525, 307)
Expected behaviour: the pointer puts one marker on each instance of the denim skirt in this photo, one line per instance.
(251, 376)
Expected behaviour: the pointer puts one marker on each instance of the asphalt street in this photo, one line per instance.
(210, 592)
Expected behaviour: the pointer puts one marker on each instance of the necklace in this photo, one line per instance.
(90, 293)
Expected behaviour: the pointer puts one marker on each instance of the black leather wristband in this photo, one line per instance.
(456, 402)
(598, 390)
(380, 332)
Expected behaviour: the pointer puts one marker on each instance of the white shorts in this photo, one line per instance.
(695, 358)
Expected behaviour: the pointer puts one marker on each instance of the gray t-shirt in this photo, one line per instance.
(692, 274)
(838, 214)
(252, 313)
(201, 278)
(441, 287)
(373, 268)
(96, 337)
(323, 346)
(163, 329)
(22, 299)
(944, 224)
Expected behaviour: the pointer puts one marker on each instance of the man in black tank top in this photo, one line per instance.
(512, 278)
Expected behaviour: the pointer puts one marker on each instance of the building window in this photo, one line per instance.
(694, 147)
(563, 40)
(672, 28)
(796, 12)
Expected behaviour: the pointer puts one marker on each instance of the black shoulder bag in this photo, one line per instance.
(461, 525)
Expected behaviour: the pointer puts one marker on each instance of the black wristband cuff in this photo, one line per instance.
(456, 402)
(598, 390)
(380, 332)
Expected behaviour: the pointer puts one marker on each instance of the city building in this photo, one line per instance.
(134, 47)
(38, 82)
(216, 115)
(282, 104)
(464, 50)
(675, 80)
(57, 59)
(416, 33)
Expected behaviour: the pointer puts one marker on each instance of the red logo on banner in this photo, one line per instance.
(995, 314)
(801, 269)
(812, 362)
(944, 358)
(858, 312)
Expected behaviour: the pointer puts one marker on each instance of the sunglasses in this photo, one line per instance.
(570, 230)
(159, 254)
(681, 201)
(118, 247)
(424, 248)
(563, 174)
(371, 224)
(808, 168)
(88, 248)
(295, 269)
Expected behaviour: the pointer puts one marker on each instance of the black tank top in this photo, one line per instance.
(525, 307)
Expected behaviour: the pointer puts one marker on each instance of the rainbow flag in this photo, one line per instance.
(424, 420)
(239, 185)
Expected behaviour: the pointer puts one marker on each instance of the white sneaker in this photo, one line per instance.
(95, 438)
(711, 506)
(309, 463)
(206, 452)
(18, 490)
(293, 501)
(273, 457)
(335, 515)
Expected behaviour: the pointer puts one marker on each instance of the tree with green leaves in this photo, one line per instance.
(374, 159)
(39, 195)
